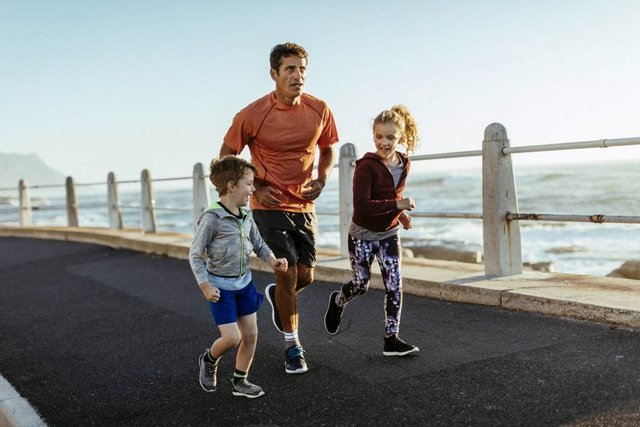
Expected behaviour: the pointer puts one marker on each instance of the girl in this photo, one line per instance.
(379, 209)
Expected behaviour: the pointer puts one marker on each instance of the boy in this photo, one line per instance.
(219, 259)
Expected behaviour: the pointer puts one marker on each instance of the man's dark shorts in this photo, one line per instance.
(290, 235)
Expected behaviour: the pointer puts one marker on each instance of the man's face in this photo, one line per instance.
(290, 77)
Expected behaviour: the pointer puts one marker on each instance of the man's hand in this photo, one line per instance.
(279, 264)
(313, 189)
(210, 292)
(266, 196)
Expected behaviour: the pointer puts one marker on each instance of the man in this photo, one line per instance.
(283, 130)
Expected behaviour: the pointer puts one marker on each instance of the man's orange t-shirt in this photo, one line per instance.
(282, 140)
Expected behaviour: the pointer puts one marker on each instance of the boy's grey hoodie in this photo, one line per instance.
(223, 243)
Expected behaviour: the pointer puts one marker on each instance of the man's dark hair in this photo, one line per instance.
(283, 50)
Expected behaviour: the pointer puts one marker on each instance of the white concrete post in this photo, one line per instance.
(25, 203)
(72, 203)
(346, 166)
(201, 198)
(113, 203)
(502, 252)
(148, 203)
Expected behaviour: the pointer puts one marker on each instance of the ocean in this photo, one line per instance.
(578, 248)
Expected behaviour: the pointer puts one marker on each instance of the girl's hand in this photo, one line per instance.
(406, 204)
(279, 264)
(405, 220)
(210, 292)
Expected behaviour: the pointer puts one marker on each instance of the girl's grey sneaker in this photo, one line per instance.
(394, 346)
(270, 293)
(246, 389)
(208, 373)
(333, 315)
(294, 360)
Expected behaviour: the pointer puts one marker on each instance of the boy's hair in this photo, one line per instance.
(228, 168)
(283, 50)
(400, 116)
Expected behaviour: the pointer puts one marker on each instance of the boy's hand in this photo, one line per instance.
(279, 264)
(405, 220)
(210, 292)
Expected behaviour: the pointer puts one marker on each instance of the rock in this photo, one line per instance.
(629, 270)
(407, 253)
(546, 266)
(448, 254)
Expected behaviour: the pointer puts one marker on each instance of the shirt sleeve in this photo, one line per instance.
(236, 136)
(198, 248)
(329, 135)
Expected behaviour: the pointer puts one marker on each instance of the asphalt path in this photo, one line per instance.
(95, 336)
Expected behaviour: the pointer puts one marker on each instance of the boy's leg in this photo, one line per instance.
(248, 330)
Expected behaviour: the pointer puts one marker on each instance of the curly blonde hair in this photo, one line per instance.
(400, 116)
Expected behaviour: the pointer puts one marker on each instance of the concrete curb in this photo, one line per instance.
(15, 411)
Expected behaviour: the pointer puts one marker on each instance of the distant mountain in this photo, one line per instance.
(14, 167)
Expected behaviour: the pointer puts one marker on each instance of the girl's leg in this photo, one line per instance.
(248, 328)
(389, 258)
(361, 254)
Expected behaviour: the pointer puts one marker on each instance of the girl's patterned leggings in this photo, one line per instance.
(361, 254)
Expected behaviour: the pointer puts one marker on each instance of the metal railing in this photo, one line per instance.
(500, 216)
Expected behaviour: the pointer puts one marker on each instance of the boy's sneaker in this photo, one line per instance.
(208, 372)
(394, 346)
(270, 293)
(246, 389)
(294, 360)
(333, 315)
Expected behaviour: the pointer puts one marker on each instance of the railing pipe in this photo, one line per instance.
(598, 143)
(148, 203)
(201, 197)
(346, 168)
(471, 153)
(25, 204)
(72, 203)
(595, 218)
(501, 237)
(113, 202)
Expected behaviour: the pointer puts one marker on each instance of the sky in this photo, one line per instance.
(94, 87)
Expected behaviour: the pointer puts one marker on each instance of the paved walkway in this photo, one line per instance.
(96, 336)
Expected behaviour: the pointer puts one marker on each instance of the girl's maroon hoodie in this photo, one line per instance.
(374, 195)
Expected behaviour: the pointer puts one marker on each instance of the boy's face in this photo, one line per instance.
(243, 189)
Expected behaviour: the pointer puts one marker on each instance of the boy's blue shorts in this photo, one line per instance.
(234, 304)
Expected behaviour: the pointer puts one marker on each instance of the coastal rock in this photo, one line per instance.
(628, 270)
(448, 254)
(546, 266)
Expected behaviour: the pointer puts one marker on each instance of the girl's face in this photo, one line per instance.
(243, 189)
(386, 136)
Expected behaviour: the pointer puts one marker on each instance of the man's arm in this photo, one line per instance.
(225, 149)
(325, 167)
